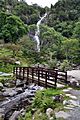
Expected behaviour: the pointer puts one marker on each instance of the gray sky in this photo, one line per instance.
(42, 3)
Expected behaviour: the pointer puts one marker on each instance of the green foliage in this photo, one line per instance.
(63, 16)
(28, 116)
(12, 28)
(43, 99)
(70, 48)
(38, 115)
(77, 30)
(65, 65)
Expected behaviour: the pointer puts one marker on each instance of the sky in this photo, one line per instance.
(42, 3)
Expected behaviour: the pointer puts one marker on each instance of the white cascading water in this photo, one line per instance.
(36, 37)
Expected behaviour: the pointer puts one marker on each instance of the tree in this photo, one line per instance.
(70, 49)
(77, 30)
(14, 48)
(13, 29)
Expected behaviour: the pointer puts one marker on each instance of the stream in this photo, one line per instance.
(14, 100)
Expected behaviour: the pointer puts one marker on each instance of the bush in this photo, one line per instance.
(43, 99)
(65, 65)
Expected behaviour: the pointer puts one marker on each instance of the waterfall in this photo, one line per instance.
(37, 32)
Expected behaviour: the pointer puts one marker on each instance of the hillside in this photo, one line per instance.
(59, 32)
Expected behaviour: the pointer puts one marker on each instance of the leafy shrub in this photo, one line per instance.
(65, 65)
(43, 99)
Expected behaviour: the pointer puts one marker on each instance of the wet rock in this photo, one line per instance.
(7, 84)
(62, 114)
(9, 92)
(19, 83)
(35, 87)
(32, 87)
(1, 85)
(19, 90)
(15, 115)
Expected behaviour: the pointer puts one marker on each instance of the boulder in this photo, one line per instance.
(19, 83)
(9, 92)
(1, 85)
(58, 98)
(49, 112)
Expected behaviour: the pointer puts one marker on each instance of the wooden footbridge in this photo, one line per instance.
(41, 76)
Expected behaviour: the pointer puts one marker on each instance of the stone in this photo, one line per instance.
(17, 63)
(69, 107)
(71, 96)
(1, 85)
(19, 90)
(62, 114)
(7, 84)
(75, 103)
(58, 98)
(67, 90)
(9, 92)
(18, 82)
(65, 102)
(51, 118)
(49, 112)
(35, 87)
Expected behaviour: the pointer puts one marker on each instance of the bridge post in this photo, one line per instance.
(45, 79)
(16, 73)
(23, 72)
(38, 76)
(66, 77)
(32, 75)
(27, 76)
(56, 74)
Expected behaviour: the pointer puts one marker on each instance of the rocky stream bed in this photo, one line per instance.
(14, 100)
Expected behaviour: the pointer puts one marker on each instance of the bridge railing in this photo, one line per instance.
(41, 76)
